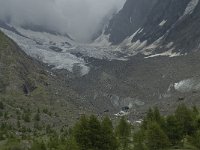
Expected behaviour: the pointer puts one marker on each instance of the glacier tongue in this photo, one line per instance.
(59, 51)
(42, 52)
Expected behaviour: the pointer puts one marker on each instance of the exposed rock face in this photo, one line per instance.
(171, 21)
(133, 15)
(186, 33)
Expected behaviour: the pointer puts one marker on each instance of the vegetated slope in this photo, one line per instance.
(28, 88)
(18, 74)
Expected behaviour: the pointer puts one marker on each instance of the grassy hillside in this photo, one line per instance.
(30, 92)
(19, 76)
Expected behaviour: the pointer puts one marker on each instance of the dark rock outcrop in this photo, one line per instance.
(175, 21)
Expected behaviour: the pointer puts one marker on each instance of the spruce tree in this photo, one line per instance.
(38, 146)
(173, 129)
(195, 111)
(109, 139)
(1, 105)
(195, 139)
(158, 118)
(71, 144)
(139, 138)
(185, 118)
(81, 133)
(148, 118)
(95, 133)
(156, 138)
(123, 132)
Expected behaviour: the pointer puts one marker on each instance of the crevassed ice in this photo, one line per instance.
(58, 60)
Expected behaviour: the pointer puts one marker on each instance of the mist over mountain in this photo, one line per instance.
(79, 18)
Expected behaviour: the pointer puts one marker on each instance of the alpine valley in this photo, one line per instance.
(146, 55)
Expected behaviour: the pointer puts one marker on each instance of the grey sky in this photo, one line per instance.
(80, 18)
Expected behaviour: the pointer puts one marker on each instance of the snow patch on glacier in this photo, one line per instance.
(169, 53)
(190, 7)
(128, 41)
(162, 23)
(102, 40)
(187, 85)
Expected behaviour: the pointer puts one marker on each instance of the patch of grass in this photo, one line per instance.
(4, 42)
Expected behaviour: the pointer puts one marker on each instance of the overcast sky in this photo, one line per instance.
(79, 18)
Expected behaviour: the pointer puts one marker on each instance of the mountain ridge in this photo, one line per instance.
(169, 22)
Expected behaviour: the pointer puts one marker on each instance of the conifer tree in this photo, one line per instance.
(81, 133)
(158, 118)
(139, 140)
(173, 129)
(95, 133)
(71, 144)
(123, 132)
(148, 118)
(195, 139)
(156, 138)
(38, 146)
(109, 139)
(185, 118)
(195, 111)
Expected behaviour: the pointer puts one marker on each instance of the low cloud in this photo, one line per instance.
(79, 18)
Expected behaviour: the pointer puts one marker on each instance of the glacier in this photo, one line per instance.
(59, 51)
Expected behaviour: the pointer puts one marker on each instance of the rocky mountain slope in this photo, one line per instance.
(157, 26)
(160, 41)
(112, 86)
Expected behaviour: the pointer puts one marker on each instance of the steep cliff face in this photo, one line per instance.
(186, 34)
(161, 19)
(171, 23)
(133, 15)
